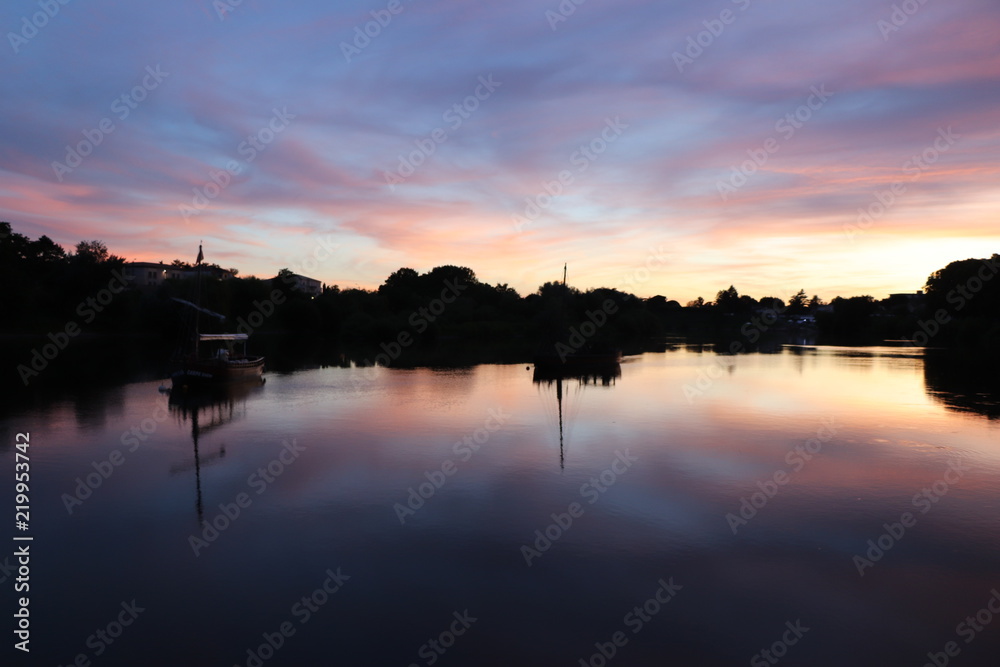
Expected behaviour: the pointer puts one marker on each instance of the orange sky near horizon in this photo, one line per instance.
(844, 159)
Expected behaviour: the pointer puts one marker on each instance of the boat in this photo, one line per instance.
(569, 357)
(217, 358)
(213, 358)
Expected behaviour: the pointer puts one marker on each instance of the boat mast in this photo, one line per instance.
(197, 300)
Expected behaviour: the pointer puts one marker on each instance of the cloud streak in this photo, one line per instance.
(657, 184)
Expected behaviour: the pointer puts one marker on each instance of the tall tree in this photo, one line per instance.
(968, 287)
(797, 304)
(728, 300)
(95, 252)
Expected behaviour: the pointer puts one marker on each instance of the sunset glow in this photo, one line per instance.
(739, 140)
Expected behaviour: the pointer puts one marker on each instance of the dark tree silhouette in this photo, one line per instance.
(797, 304)
(45, 250)
(94, 252)
(44, 285)
(966, 288)
(728, 300)
(697, 303)
(401, 279)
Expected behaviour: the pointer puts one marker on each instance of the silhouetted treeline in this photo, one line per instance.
(448, 306)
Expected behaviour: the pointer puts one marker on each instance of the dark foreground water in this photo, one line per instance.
(827, 506)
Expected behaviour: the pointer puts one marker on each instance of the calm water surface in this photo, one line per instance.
(708, 504)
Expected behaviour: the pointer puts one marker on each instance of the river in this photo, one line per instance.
(817, 506)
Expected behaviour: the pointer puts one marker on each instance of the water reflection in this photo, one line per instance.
(593, 373)
(583, 373)
(963, 383)
(209, 409)
(372, 436)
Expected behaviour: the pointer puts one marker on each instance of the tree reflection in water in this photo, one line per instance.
(964, 382)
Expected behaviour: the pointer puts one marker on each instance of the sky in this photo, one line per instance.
(668, 148)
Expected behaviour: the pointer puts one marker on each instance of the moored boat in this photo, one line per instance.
(217, 358)
(568, 352)
(213, 358)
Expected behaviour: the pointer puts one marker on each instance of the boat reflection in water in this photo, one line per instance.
(209, 408)
(595, 371)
